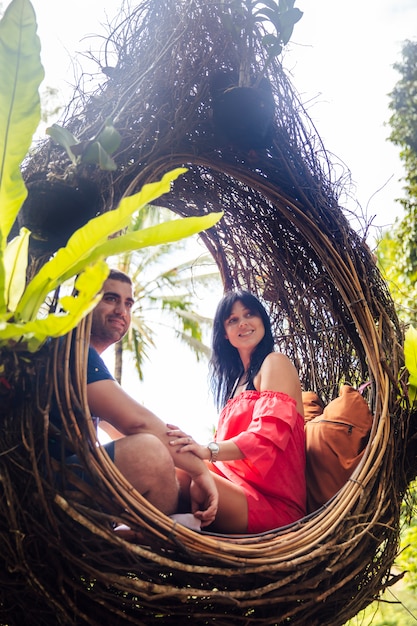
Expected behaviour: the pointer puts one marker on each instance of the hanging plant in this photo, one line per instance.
(243, 116)
(58, 205)
(243, 104)
(269, 24)
(96, 151)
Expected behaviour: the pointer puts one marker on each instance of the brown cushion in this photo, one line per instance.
(313, 406)
(335, 444)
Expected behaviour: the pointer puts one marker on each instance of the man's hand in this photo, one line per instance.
(204, 498)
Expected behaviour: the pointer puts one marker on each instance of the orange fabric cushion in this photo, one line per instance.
(335, 442)
(313, 406)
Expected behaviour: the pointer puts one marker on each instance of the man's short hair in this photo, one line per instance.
(119, 275)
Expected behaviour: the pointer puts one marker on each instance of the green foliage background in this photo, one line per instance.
(397, 249)
(397, 258)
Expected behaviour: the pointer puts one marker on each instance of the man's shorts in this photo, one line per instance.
(79, 470)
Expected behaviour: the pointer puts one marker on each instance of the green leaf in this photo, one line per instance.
(109, 138)
(75, 308)
(15, 263)
(64, 138)
(21, 73)
(96, 151)
(156, 235)
(410, 355)
(271, 16)
(96, 154)
(275, 8)
(288, 20)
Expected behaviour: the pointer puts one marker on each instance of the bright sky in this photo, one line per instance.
(343, 66)
(341, 60)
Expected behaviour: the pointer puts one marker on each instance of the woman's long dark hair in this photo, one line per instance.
(225, 364)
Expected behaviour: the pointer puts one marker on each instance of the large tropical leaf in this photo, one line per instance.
(72, 309)
(88, 245)
(81, 248)
(156, 235)
(410, 355)
(15, 264)
(21, 73)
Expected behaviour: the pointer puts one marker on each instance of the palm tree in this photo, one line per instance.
(165, 284)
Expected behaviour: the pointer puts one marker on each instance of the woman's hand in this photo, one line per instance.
(185, 443)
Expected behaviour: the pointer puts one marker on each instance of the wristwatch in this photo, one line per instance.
(214, 451)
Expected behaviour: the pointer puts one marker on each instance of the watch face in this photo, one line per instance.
(214, 448)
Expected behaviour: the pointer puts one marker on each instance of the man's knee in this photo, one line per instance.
(143, 450)
(146, 463)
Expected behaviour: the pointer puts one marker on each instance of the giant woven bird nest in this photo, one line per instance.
(284, 237)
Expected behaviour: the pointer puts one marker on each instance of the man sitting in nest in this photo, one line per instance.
(143, 455)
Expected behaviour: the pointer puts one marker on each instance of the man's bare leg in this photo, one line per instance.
(148, 466)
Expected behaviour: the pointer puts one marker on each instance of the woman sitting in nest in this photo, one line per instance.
(258, 455)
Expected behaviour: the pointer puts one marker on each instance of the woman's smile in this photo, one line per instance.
(246, 333)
